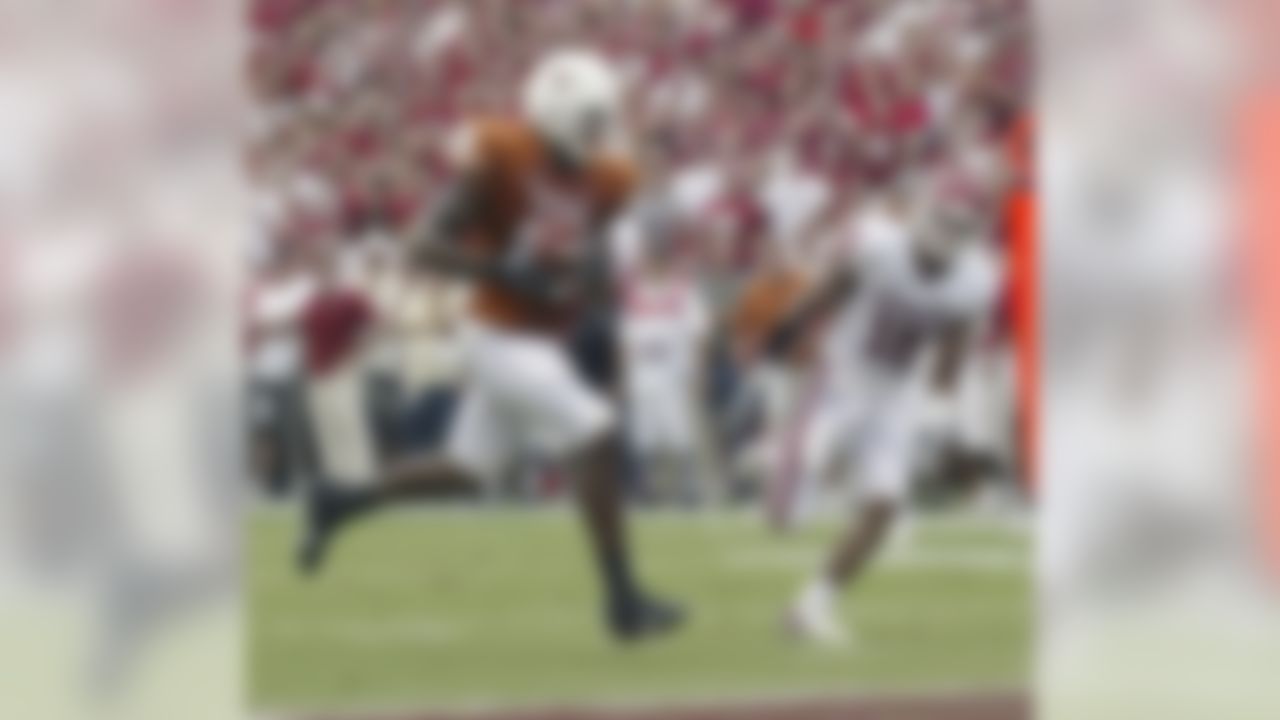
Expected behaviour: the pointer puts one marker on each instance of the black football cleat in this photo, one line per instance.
(327, 510)
(643, 618)
(321, 518)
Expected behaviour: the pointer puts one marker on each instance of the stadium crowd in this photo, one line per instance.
(764, 124)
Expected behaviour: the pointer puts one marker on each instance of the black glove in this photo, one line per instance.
(783, 338)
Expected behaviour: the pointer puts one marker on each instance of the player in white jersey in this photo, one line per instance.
(665, 327)
(911, 292)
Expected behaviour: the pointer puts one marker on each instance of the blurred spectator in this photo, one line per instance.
(282, 430)
(426, 320)
(336, 325)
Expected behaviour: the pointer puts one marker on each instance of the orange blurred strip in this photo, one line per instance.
(1024, 266)
(1022, 228)
(1260, 214)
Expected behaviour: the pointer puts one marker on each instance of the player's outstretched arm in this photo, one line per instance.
(436, 245)
(825, 298)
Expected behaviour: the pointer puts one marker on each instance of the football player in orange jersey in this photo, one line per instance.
(526, 223)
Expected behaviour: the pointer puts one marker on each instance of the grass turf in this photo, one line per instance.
(439, 609)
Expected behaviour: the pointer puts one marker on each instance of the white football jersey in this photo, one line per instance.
(897, 309)
(664, 324)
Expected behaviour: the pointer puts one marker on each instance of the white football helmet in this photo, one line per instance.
(572, 98)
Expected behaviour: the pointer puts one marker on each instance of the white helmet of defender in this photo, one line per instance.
(572, 98)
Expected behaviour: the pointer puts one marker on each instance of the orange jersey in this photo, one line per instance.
(527, 205)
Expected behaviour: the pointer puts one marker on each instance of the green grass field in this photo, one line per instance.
(432, 609)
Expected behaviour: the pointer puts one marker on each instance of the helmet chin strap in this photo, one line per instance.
(565, 158)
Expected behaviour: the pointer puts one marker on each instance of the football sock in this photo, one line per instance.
(600, 497)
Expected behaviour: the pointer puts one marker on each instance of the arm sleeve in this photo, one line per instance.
(616, 183)
(473, 154)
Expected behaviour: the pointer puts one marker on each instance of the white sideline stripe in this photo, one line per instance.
(757, 701)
